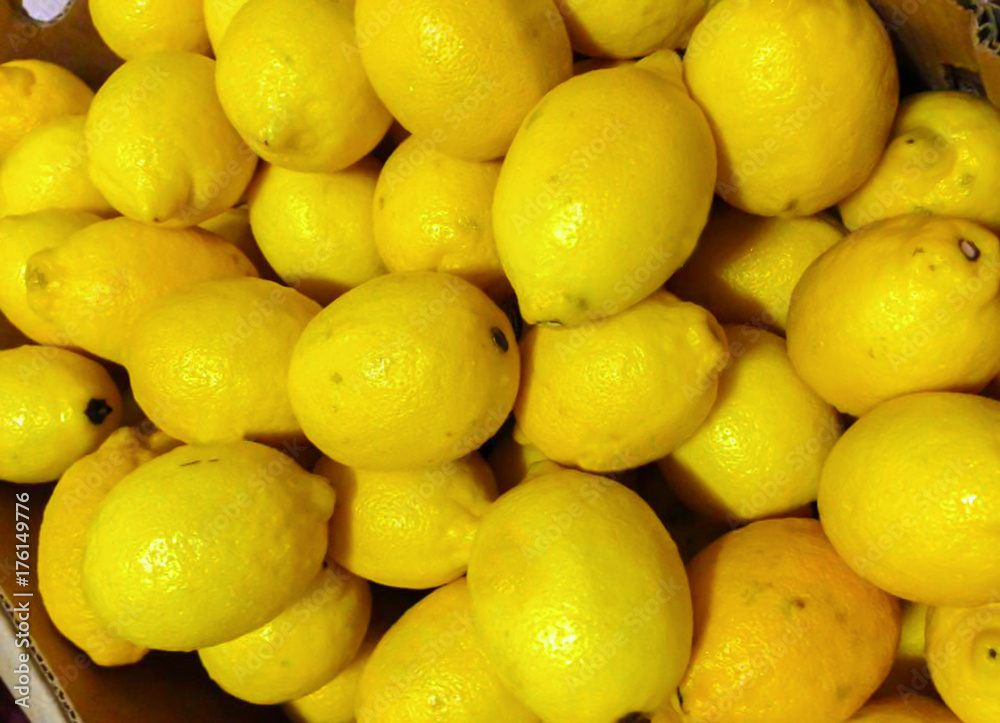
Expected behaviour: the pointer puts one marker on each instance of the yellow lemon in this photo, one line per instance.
(782, 95)
(55, 407)
(784, 631)
(433, 212)
(760, 451)
(95, 285)
(515, 459)
(463, 76)
(173, 158)
(619, 29)
(34, 92)
(20, 238)
(623, 391)
(68, 514)
(315, 229)
(410, 528)
(745, 267)
(204, 544)
(963, 653)
(593, 211)
(207, 363)
(301, 649)
(234, 226)
(908, 304)
(48, 168)
(291, 80)
(139, 27)
(218, 15)
(431, 666)
(580, 599)
(910, 496)
(912, 709)
(408, 370)
(942, 158)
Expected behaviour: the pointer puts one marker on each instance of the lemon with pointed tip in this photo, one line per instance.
(963, 654)
(139, 27)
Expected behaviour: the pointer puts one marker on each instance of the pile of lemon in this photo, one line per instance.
(259, 323)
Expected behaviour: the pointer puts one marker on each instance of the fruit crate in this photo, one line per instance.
(943, 43)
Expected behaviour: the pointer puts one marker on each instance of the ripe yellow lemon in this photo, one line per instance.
(963, 653)
(411, 528)
(315, 229)
(139, 27)
(912, 709)
(433, 212)
(745, 268)
(784, 631)
(96, 284)
(48, 168)
(68, 514)
(781, 95)
(408, 370)
(291, 80)
(942, 158)
(593, 211)
(463, 76)
(431, 666)
(207, 362)
(34, 92)
(580, 598)
(20, 238)
(218, 15)
(171, 157)
(910, 495)
(55, 407)
(186, 535)
(300, 650)
(623, 391)
(760, 451)
(908, 304)
(619, 29)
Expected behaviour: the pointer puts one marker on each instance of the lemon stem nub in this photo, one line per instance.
(97, 411)
(968, 248)
(499, 339)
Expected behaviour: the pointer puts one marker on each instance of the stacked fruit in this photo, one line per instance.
(750, 283)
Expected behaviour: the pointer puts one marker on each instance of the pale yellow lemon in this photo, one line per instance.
(132, 28)
(315, 229)
(800, 115)
(593, 211)
(910, 496)
(911, 709)
(619, 29)
(963, 653)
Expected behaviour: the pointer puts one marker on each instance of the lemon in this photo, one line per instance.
(593, 211)
(580, 599)
(431, 666)
(942, 158)
(515, 459)
(760, 451)
(624, 391)
(784, 83)
(218, 15)
(234, 226)
(745, 267)
(68, 514)
(411, 528)
(132, 28)
(463, 77)
(334, 702)
(20, 238)
(315, 229)
(909, 671)
(95, 285)
(904, 305)
(205, 544)
(55, 407)
(301, 649)
(434, 212)
(173, 158)
(784, 631)
(408, 370)
(34, 92)
(291, 80)
(48, 168)
(963, 653)
(620, 29)
(910, 495)
(206, 362)
(914, 709)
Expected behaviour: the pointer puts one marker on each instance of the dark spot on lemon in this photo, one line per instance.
(918, 250)
(992, 654)
(97, 411)
(799, 603)
(336, 378)
(499, 339)
(969, 249)
(191, 464)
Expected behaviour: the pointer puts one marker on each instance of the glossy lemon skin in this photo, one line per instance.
(910, 494)
(963, 654)
(132, 28)
(57, 406)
